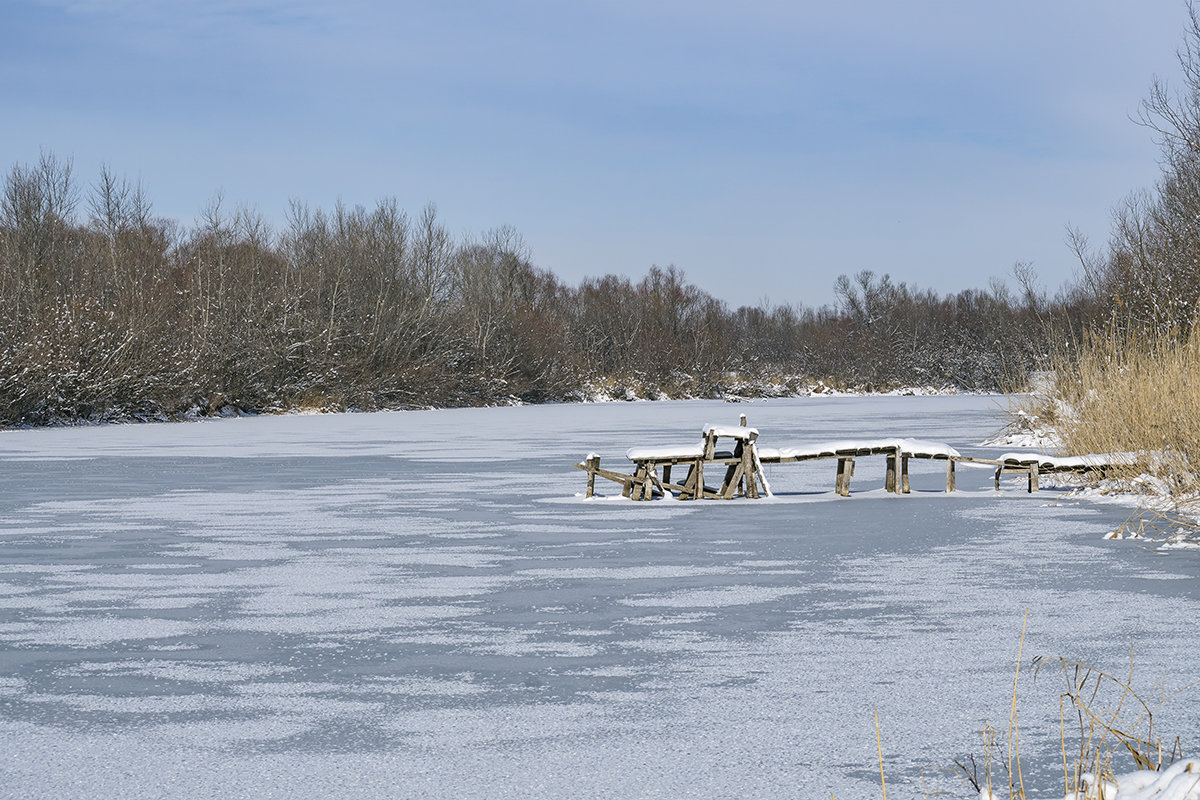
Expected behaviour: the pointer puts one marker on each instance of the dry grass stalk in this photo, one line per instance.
(879, 746)
(1111, 718)
(1129, 391)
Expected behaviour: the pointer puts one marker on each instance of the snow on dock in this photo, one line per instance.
(740, 464)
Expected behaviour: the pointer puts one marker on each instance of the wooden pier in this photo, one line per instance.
(733, 453)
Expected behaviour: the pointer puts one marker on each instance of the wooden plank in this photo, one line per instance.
(729, 487)
(639, 482)
(615, 477)
(845, 468)
(687, 489)
(654, 479)
(748, 471)
(758, 469)
(593, 464)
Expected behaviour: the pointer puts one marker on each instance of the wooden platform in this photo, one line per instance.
(740, 464)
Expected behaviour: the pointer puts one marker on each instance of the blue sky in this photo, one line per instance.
(763, 148)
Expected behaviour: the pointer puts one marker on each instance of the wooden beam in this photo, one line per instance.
(950, 479)
(730, 485)
(845, 468)
(593, 464)
(904, 487)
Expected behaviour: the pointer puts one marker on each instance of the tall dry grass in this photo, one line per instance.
(1130, 391)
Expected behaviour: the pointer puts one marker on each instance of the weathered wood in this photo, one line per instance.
(593, 464)
(640, 483)
(745, 475)
(758, 469)
(656, 482)
(845, 469)
(687, 488)
(615, 477)
(730, 486)
(751, 489)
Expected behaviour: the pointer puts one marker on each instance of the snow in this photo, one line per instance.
(731, 431)
(680, 451)
(1179, 781)
(422, 604)
(908, 447)
(1089, 461)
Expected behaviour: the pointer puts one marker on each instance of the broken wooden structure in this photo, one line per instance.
(1034, 465)
(738, 463)
(733, 453)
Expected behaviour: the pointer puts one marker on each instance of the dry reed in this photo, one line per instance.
(1130, 391)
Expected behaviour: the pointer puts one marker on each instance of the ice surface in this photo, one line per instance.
(422, 605)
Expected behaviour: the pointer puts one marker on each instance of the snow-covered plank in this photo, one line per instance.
(731, 431)
(915, 448)
(665, 452)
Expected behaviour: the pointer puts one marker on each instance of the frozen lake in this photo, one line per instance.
(421, 604)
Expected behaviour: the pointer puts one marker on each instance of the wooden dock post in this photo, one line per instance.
(593, 464)
(904, 475)
(950, 480)
(1033, 478)
(891, 481)
(845, 469)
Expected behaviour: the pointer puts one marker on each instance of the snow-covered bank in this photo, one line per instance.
(421, 604)
(740, 390)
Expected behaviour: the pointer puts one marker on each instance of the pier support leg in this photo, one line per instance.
(732, 481)
(845, 469)
(999, 469)
(904, 487)
(950, 481)
(1033, 478)
(890, 484)
(593, 464)
(748, 471)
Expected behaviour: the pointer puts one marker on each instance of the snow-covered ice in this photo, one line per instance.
(422, 604)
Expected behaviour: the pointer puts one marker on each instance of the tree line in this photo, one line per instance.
(109, 312)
